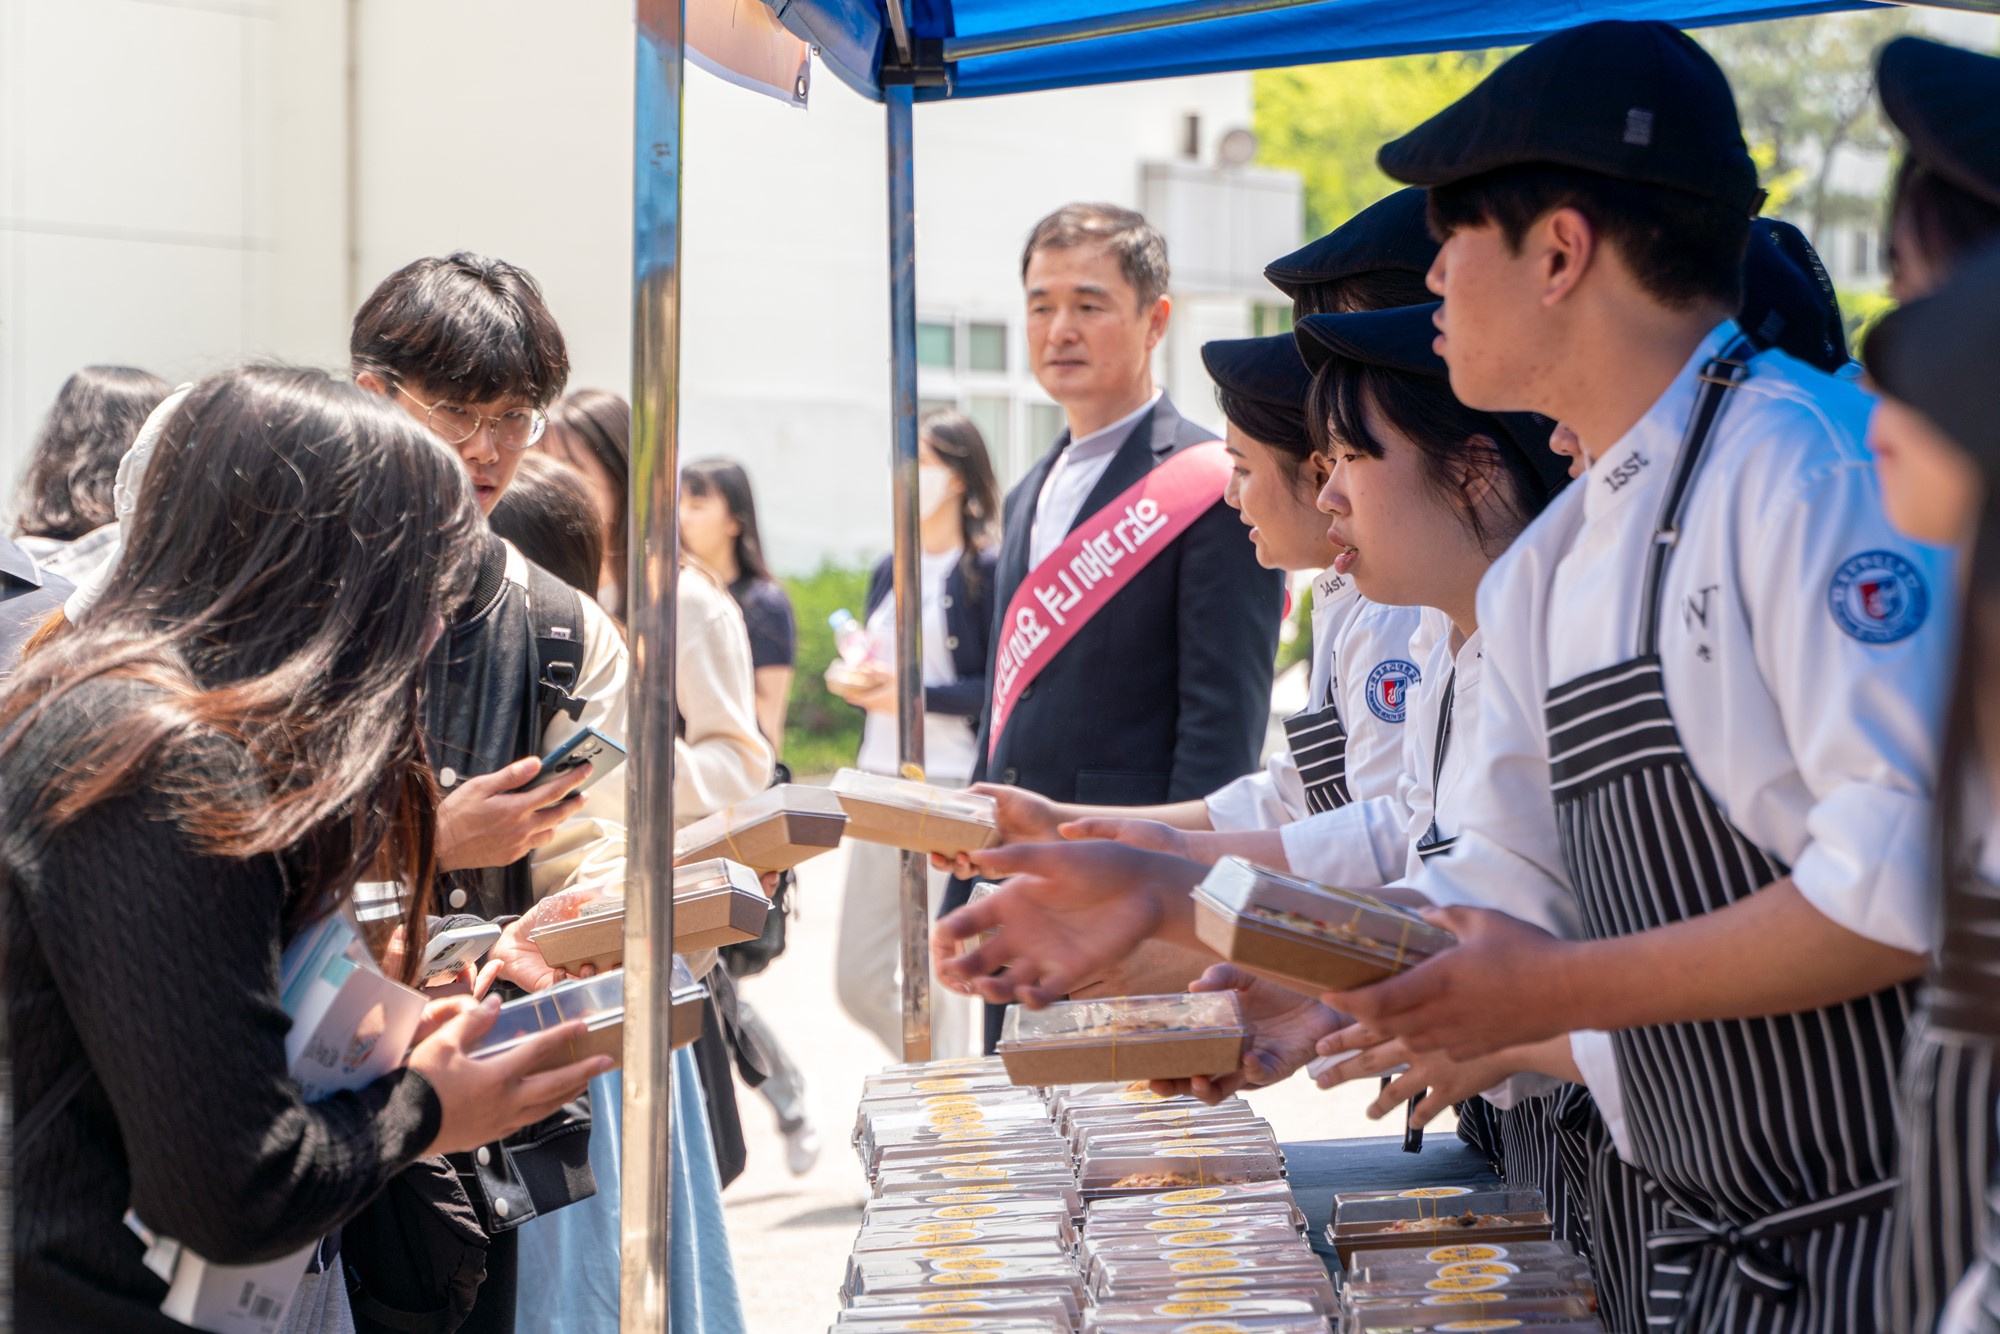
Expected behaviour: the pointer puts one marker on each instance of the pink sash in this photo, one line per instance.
(1098, 558)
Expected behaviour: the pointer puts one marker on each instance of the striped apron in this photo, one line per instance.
(1950, 1085)
(1768, 1147)
(1319, 748)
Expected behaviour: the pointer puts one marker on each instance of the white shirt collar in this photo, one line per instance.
(1107, 438)
(1639, 463)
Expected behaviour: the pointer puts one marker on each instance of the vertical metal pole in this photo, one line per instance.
(646, 1222)
(904, 520)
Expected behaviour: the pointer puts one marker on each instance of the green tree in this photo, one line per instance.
(1326, 121)
(1805, 88)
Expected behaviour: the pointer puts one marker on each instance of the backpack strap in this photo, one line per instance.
(555, 629)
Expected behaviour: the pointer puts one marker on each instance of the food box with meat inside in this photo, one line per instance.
(915, 817)
(1310, 936)
(1125, 1037)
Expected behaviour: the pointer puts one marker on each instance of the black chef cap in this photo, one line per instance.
(1389, 236)
(1938, 354)
(1788, 300)
(1269, 373)
(1636, 101)
(1946, 102)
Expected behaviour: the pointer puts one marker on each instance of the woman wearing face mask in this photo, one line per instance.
(959, 539)
(1944, 208)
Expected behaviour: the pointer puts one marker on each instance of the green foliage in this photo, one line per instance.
(1859, 310)
(1296, 643)
(1805, 88)
(822, 733)
(1326, 121)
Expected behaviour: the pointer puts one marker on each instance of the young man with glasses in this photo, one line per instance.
(465, 345)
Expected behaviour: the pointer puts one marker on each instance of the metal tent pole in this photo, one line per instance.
(646, 1218)
(904, 520)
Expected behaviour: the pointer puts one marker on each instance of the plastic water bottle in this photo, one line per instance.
(850, 637)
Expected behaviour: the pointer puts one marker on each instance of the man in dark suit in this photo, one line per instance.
(1164, 694)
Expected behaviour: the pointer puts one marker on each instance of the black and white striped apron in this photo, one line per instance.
(1950, 1084)
(1319, 748)
(1771, 1144)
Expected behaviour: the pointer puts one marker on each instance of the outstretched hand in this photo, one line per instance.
(1504, 984)
(1284, 1028)
(1069, 911)
(1146, 835)
(1022, 816)
(1434, 1079)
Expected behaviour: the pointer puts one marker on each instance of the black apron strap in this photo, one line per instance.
(1726, 370)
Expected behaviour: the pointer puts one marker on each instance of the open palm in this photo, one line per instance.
(1285, 1028)
(1069, 911)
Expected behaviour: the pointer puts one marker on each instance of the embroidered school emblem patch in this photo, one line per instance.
(1878, 597)
(1389, 689)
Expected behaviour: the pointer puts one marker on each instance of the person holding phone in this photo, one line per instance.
(207, 759)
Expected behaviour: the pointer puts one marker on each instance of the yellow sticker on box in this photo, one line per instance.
(1188, 1211)
(1433, 1192)
(968, 1210)
(1467, 1267)
(1450, 1254)
(1208, 1284)
(1201, 1237)
(1205, 1264)
(953, 1252)
(1194, 1196)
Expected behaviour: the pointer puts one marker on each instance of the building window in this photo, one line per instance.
(937, 345)
(986, 347)
(993, 416)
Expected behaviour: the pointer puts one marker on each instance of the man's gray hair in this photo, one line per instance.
(1138, 246)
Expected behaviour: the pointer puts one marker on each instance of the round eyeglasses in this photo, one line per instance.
(454, 423)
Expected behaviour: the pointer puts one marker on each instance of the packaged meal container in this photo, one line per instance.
(600, 1001)
(1486, 1217)
(717, 903)
(1316, 938)
(915, 817)
(1033, 1324)
(1174, 1169)
(1243, 1275)
(1124, 1037)
(578, 928)
(775, 830)
(1536, 1317)
(686, 1003)
(1124, 1315)
(1522, 1254)
(900, 1274)
(993, 1305)
(1463, 1289)
(964, 1232)
(1197, 1317)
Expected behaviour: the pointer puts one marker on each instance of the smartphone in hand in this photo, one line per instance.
(589, 746)
(449, 951)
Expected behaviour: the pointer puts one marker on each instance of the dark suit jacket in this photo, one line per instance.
(27, 596)
(1165, 694)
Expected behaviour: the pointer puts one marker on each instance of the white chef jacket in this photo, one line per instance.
(1809, 705)
(1354, 641)
(1077, 469)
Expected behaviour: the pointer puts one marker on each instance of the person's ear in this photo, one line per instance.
(374, 384)
(1156, 321)
(1566, 245)
(1314, 472)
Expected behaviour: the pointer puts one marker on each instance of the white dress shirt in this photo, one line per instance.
(1076, 470)
(1813, 725)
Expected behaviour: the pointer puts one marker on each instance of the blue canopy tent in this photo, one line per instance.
(901, 52)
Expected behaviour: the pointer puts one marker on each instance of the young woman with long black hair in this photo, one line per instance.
(63, 509)
(207, 760)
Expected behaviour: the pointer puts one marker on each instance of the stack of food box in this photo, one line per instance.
(974, 1208)
(1449, 1258)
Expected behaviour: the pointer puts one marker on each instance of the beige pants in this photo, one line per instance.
(867, 969)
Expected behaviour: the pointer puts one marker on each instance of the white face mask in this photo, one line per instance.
(933, 487)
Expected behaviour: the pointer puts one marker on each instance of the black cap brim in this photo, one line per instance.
(1403, 340)
(1946, 102)
(1788, 300)
(1391, 235)
(1266, 370)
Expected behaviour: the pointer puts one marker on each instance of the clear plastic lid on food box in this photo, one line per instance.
(1537, 1254)
(932, 1324)
(904, 1213)
(1120, 1315)
(1458, 1289)
(1189, 1168)
(1179, 1218)
(906, 1275)
(1123, 1018)
(1299, 1268)
(1572, 1315)
(1489, 1215)
(682, 980)
(965, 1232)
(775, 830)
(717, 875)
(1206, 1196)
(597, 1000)
(1343, 918)
(1200, 1318)
(1002, 1305)
(915, 798)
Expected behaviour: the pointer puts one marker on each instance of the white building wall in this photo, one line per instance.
(189, 182)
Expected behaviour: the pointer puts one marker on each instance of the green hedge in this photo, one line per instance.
(822, 733)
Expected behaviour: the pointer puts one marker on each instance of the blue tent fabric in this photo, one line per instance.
(853, 34)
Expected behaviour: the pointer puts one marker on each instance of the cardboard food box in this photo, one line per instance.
(599, 1001)
(1309, 936)
(686, 1004)
(1124, 1037)
(772, 831)
(593, 938)
(717, 903)
(1483, 1217)
(915, 817)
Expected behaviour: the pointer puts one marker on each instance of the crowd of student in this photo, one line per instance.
(1650, 655)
